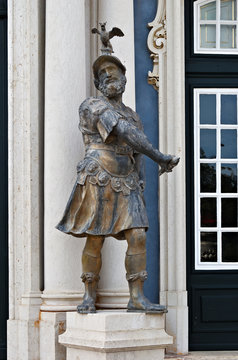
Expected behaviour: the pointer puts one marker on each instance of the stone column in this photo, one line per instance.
(166, 42)
(173, 201)
(65, 88)
(26, 104)
(67, 84)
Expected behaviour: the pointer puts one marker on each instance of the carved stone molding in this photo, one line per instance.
(157, 42)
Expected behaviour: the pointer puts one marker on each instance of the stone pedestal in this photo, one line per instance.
(115, 335)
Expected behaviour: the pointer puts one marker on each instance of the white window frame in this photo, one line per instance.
(197, 195)
(217, 22)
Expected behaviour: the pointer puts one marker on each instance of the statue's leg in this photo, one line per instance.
(91, 261)
(135, 263)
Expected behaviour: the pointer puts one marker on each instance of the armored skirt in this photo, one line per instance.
(102, 203)
(106, 199)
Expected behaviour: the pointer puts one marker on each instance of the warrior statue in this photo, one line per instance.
(107, 199)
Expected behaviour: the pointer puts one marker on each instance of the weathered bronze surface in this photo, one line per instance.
(107, 199)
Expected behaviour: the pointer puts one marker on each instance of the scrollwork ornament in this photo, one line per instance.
(157, 42)
(160, 36)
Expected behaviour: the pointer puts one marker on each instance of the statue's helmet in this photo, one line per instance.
(102, 59)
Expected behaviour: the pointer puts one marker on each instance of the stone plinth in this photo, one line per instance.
(115, 335)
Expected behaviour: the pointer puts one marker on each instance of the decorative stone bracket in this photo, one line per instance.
(157, 42)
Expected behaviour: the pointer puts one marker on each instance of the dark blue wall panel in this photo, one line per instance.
(147, 107)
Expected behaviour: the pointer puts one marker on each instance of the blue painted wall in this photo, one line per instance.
(147, 108)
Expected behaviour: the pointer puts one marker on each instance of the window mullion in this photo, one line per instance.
(218, 28)
(218, 173)
(236, 35)
(197, 177)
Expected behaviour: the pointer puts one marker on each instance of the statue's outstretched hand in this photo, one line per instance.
(169, 165)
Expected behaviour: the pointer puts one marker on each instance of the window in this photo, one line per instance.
(215, 27)
(215, 174)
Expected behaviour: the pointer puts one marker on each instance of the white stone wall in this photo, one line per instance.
(51, 51)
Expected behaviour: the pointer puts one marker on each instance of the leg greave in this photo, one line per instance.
(135, 264)
(91, 263)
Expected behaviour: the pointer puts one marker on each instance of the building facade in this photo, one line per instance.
(182, 79)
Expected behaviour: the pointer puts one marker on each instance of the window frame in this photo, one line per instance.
(197, 22)
(197, 194)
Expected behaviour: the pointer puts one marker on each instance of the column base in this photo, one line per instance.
(23, 335)
(52, 324)
(176, 320)
(23, 340)
(115, 335)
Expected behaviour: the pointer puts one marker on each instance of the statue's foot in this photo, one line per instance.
(144, 305)
(87, 306)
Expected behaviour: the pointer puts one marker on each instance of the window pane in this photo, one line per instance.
(230, 247)
(229, 212)
(208, 36)
(228, 109)
(207, 144)
(208, 247)
(208, 11)
(229, 178)
(207, 109)
(228, 9)
(208, 177)
(228, 144)
(228, 36)
(208, 212)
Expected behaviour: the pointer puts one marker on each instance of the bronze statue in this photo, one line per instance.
(107, 199)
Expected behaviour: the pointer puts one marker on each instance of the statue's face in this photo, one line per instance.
(112, 81)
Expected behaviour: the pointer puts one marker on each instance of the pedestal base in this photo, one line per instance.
(115, 335)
